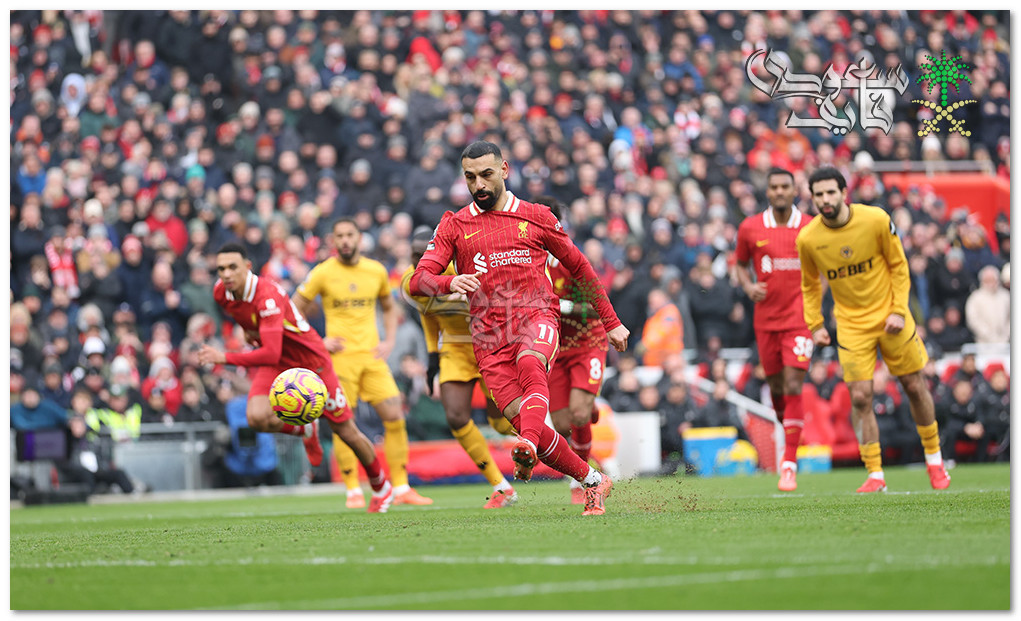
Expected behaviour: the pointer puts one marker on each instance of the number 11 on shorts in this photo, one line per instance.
(546, 334)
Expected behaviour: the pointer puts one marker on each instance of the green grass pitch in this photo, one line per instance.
(665, 543)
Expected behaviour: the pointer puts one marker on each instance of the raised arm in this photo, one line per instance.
(428, 279)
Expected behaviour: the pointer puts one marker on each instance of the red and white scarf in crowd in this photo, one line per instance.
(62, 268)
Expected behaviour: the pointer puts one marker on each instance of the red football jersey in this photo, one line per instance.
(770, 249)
(578, 330)
(507, 250)
(265, 308)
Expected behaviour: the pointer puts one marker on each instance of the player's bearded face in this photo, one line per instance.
(486, 198)
(484, 177)
(828, 198)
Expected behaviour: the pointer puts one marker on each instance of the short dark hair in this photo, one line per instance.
(479, 148)
(554, 205)
(233, 247)
(776, 170)
(345, 220)
(824, 174)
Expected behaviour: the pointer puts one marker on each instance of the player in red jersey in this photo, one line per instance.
(285, 340)
(499, 245)
(577, 374)
(766, 241)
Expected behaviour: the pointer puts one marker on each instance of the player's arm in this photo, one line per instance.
(390, 320)
(304, 297)
(754, 290)
(900, 277)
(811, 288)
(431, 331)
(561, 247)
(271, 335)
(428, 279)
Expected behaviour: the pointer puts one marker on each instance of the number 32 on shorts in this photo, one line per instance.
(803, 346)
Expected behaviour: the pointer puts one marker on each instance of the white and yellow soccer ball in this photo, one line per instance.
(298, 396)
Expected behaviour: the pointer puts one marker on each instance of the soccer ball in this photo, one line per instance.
(298, 396)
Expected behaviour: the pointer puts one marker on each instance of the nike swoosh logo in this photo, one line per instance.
(470, 235)
(532, 407)
(593, 381)
(761, 243)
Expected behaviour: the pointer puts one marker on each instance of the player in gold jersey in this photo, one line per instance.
(857, 248)
(350, 285)
(449, 342)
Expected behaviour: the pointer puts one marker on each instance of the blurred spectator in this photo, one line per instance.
(676, 413)
(964, 420)
(949, 332)
(35, 412)
(718, 412)
(969, 372)
(54, 388)
(952, 283)
(988, 308)
(995, 397)
(163, 382)
(663, 333)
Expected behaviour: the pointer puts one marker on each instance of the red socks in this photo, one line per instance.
(581, 440)
(793, 424)
(534, 380)
(376, 476)
(554, 451)
(779, 404)
(557, 454)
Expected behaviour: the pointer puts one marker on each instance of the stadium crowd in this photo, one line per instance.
(143, 140)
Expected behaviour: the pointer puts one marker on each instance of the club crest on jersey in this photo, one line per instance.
(480, 263)
(353, 287)
(846, 252)
(523, 229)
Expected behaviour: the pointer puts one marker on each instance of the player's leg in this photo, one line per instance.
(536, 350)
(552, 448)
(906, 358)
(380, 390)
(796, 354)
(262, 418)
(349, 370)
(857, 354)
(456, 399)
(341, 420)
(770, 346)
(583, 403)
(560, 395)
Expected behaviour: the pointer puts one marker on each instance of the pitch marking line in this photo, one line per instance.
(408, 600)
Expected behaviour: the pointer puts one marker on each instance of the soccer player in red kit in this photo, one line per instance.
(577, 374)
(285, 340)
(499, 245)
(766, 241)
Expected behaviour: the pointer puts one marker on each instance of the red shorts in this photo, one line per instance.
(499, 367)
(785, 348)
(337, 409)
(580, 368)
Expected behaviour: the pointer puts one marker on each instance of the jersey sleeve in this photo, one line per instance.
(270, 311)
(587, 281)
(312, 285)
(427, 279)
(431, 331)
(900, 275)
(384, 283)
(811, 287)
(742, 252)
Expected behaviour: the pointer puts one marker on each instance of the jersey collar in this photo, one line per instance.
(249, 291)
(511, 206)
(769, 218)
